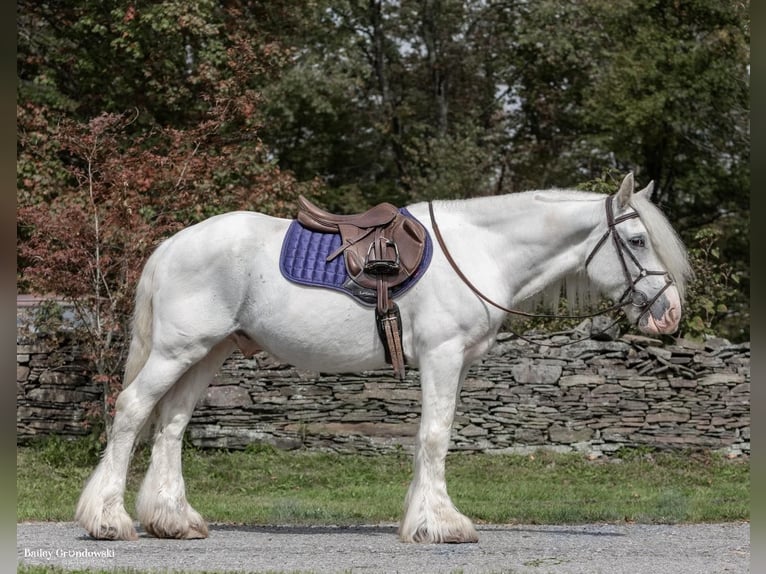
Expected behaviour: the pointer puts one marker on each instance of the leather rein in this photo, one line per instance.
(631, 295)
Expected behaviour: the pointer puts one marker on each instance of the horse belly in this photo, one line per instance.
(315, 329)
(308, 327)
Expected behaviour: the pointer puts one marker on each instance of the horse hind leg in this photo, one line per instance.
(161, 505)
(100, 509)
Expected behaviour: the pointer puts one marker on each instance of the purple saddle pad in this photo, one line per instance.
(303, 260)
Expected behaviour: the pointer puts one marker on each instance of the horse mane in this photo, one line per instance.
(577, 289)
(666, 242)
(578, 292)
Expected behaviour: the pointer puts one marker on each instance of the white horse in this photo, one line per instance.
(216, 286)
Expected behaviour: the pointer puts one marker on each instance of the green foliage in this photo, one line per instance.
(607, 183)
(715, 303)
(166, 58)
(370, 101)
(47, 319)
(450, 167)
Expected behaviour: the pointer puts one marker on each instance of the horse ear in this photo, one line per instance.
(647, 191)
(626, 190)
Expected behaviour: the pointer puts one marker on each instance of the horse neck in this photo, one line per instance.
(535, 238)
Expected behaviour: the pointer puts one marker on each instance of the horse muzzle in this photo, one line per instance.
(662, 316)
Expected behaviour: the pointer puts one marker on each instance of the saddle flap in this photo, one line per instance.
(404, 240)
(410, 238)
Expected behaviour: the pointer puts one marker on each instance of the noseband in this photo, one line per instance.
(631, 295)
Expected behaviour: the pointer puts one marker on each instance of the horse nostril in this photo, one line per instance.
(639, 298)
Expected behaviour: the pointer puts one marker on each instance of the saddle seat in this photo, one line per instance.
(318, 219)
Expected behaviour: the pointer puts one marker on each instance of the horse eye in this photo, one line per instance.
(637, 241)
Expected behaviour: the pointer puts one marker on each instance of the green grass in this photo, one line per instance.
(561, 489)
(265, 486)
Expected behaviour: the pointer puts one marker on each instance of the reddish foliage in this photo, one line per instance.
(98, 191)
(127, 190)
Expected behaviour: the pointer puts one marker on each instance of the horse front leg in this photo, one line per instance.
(429, 515)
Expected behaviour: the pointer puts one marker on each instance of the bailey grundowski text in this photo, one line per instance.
(68, 553)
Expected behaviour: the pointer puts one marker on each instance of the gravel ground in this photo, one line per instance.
(586, 549)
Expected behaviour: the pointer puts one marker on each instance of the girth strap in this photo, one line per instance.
(382, 262)
(389, 325)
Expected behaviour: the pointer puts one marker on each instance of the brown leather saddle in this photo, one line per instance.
(382, 248)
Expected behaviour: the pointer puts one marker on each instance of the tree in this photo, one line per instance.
(673, 103)
(442, 98)
(98, 191)
(402, 101)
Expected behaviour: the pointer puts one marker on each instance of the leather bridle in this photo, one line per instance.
(631, 295)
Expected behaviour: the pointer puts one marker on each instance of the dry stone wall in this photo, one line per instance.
(590, 396)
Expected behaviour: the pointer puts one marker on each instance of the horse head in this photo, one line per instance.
(639, 260)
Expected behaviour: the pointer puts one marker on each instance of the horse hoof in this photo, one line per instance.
(197, 531)
(182, 530)
(115, 524)
(425, 537)
(111, 533)
(106, 532)
(178, 534)
(463, 538)
(458, 534)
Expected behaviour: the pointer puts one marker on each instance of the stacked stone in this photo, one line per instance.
(590, 396)
(54, 389)
(261, 400)
(600, 396)
(549, 391)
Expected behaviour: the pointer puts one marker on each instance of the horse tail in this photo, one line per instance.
(141, 328)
